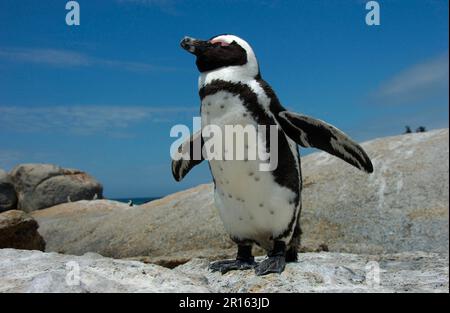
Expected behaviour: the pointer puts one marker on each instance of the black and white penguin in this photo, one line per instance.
(256, 207)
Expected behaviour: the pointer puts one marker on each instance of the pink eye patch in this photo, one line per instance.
(222, 43)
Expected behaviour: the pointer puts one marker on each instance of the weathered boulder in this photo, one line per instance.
(402, 206)
(8, 198)
(24, 271)
(33, 271)
(40, 186)
(19, 230)
(180, 226)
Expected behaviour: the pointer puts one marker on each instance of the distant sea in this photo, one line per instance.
(136, 201)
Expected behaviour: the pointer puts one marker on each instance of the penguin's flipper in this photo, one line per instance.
(191, 155)
(311, 132)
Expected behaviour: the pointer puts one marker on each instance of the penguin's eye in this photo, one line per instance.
(220, 42)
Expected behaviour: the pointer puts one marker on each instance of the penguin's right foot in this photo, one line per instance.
(225, 266)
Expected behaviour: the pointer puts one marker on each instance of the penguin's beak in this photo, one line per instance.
(194, 46)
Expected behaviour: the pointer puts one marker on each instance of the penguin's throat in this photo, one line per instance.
(233, 74)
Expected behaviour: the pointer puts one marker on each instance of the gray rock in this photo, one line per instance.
(32, 271)
(402, 206)
(336, 272)
(8, 198)
(114, 229)
(25, 271)
(19, 230)
(40, 186)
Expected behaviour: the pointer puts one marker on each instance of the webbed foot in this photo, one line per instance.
(273, 264)
(225, 266)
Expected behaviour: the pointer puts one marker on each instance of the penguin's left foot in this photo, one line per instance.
(232, 265)
(273, 264)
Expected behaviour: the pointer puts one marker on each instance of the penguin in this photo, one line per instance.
(255, 206)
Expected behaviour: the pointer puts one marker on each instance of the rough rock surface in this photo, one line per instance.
(33, 271)
(8, 198)
(181, 222)
(25, 271)
(19, 230)
(40, 186)
(402, 206)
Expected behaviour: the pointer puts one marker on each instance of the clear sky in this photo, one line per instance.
(103, 96)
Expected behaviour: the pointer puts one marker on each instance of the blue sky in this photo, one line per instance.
(104, 95)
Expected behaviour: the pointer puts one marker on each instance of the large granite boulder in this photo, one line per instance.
(402, 206)
(8, 198)
(34, 271)
(40, 186)
(19, 230)
(171, 230)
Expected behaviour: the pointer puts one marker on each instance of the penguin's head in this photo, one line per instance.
(223, 51)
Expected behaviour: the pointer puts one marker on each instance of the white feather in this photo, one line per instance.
(250, 203)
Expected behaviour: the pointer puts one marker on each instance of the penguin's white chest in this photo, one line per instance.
(250, 203)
